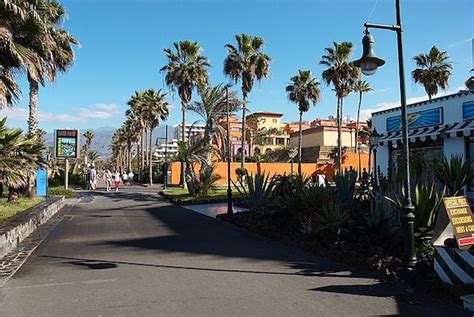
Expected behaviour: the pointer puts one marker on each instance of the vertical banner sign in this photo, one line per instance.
(66, 143)
(460, 216)
(41, 182)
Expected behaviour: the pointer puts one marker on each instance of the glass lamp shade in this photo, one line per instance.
(374, 138)
(369, 62)
(368, 68)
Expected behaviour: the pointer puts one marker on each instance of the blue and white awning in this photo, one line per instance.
(457, 129)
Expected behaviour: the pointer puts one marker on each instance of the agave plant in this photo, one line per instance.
(256, 190)
(345, 188)
(283, 185)
(332, 216)
(455, 174)
(382, 218)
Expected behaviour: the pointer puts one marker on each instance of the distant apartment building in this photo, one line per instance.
(166, 149)
(268, 132)
(191, 130)
(319, 140)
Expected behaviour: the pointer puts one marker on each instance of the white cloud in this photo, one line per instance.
(107, 106)
(82, 115)
(366, 113)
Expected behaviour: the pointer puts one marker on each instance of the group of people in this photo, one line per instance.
(110, 179)
(116, 178)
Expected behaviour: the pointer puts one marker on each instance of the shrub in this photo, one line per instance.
(332, 216)
(241, 172)
(60, 191)
(283, 185)
(207, 180)
(455, 174)
(382, 218)
(345, 188)
(256, 191)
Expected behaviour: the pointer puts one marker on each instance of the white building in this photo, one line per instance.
(194, 130)
(441, 127)
(169, 149)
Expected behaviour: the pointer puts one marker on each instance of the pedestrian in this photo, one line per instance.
(93, 178)
(108, 179)
(125, 178)
(116, 177)
(365, 175)
(130, 177)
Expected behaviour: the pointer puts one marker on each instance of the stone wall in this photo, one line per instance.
(14, 230)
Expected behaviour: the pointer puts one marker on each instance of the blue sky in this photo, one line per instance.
(122, 46)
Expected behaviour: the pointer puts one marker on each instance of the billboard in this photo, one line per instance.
(66, 143)
(417, 119)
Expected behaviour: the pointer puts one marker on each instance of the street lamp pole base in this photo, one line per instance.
(229, 202)
(409, 235)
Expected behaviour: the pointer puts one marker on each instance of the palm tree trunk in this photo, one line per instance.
(183, 133)
(142, 153)
(33, 105)
(146, 146)
(339, 134)
(32, 127)
(129, 157)
(151, 156)
(244, 103)
(357, 124)
(300, 137)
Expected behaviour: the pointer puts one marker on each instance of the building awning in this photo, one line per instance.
(457, 129)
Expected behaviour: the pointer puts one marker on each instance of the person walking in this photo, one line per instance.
(93, 178)
(125, 178)
(117, 180)
(108, 180)
(130, 177)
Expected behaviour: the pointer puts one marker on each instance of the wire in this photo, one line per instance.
(372, 11)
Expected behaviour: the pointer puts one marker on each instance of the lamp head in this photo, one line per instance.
(374, 138)
(369, 62)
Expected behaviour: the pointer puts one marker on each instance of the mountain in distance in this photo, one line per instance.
(103, 138)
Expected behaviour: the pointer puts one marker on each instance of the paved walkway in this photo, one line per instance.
(212, 210)
(127, 253)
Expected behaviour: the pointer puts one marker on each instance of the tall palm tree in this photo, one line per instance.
(362, 87)
(53, 48)
(157, 108)
(342, 74)
(137, 111)
(186, 69)
(248, 63)
(212, 108)
(303, 90)
(470, 81)
(433, 70)
(89, 136)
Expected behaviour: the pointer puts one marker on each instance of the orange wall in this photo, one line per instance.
(349, 159)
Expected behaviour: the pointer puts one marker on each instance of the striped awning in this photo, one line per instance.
(457, 129)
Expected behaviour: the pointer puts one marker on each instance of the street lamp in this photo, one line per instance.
(369, 63)
(374, 143)
(228, 148)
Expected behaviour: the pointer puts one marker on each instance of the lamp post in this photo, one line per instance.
(165, 165)
(374, 143)
(368, 64)
(228, 149)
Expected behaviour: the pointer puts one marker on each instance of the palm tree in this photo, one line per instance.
(303, 90)
(89, 135)
(362, 87)
(212, 108)
(247, 63)
(191, 154)
(433, 72)
(186, 69)
(341, 74)
(52, 47)
(20, 156)
(157, 108)
(136, 111)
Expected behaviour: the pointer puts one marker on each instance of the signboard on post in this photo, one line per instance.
(66, 143)
(455, 220)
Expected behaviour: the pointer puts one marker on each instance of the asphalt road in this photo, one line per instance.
(128, 253)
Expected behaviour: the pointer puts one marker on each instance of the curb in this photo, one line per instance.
(16, 229)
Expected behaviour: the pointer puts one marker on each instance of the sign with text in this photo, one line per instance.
(66, 143)
(460, 215)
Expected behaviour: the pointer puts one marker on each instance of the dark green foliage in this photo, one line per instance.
(345, 188)
(283, 185)
(207, 180)
(382, 219)
(256, 190)
(455, 174)
(332, 216)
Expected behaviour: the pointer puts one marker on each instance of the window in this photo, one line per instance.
(280, 141)
(274, 120)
